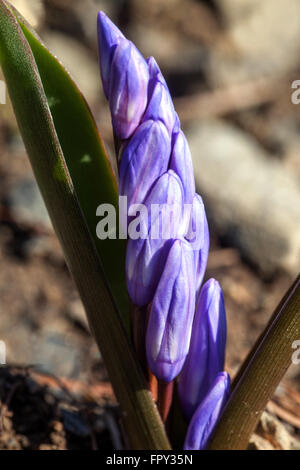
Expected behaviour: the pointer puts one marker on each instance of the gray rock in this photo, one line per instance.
(33, 11)
(250, 198)
(273, 430)
(86, 15)
(76, 314)
(284, 134)
(56, 354)
(26, 204)
(259, 443)
(260, 43)
(79, 62)
(38, 246)
(172, 51)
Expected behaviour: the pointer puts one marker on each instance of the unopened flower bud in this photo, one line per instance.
(206, 355)
(108, 38)
(144, 159)
(207, 414)
(171, 315)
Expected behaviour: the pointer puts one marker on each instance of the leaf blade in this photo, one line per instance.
(35, 121)
(85, 157)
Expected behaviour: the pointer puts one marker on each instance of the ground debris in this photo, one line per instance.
(272, 434)
(35, 416)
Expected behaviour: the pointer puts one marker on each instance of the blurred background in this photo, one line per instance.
(230, 66)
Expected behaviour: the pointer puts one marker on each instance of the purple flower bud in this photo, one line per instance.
(108, 38)
(160, 105)
(144, 160)
(196, 232)
(198, 236)
(157, 76)
(154, 71)
(128, 88)
(165, 204)
(207, 349)
(145, 261)
(201, 258)
(163, 221)
(181, 163)
(171, 316)
(207, 414)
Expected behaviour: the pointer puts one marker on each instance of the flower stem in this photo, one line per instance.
(139, 320)
(153, 385)
(165, 398)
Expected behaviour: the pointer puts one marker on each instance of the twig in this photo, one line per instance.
(284, 414)
(220, 102)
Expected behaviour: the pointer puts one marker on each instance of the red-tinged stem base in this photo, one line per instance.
(165, 398)
(162, 392)
(153, 385)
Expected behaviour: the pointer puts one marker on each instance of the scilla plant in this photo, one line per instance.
(160, 329)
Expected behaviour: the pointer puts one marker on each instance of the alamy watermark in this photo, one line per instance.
(155, 221)
(296, 354)
(295, 96)
(2, 353)
(2, 92)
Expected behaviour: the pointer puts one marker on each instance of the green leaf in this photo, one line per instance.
(85, 157)
(141, 419)
(260, 375)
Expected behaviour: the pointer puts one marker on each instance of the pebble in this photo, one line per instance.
(251, 200)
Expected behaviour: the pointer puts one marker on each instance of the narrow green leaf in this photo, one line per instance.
(142, 422)
(85, 156)
(260, 375)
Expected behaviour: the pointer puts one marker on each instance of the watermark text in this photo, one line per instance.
(296, 354)
(2, 353)
(155, 222)
(2, 92)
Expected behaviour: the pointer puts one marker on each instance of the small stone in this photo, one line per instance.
(77, 314)
(251, 200)
(33, 12)
(274, 431)
(58, 426)
(26, 204)
(261, 46)
(56, 354)
(259, 443)
(77, 59)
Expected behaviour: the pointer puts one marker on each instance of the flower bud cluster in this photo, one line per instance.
(166, 273)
